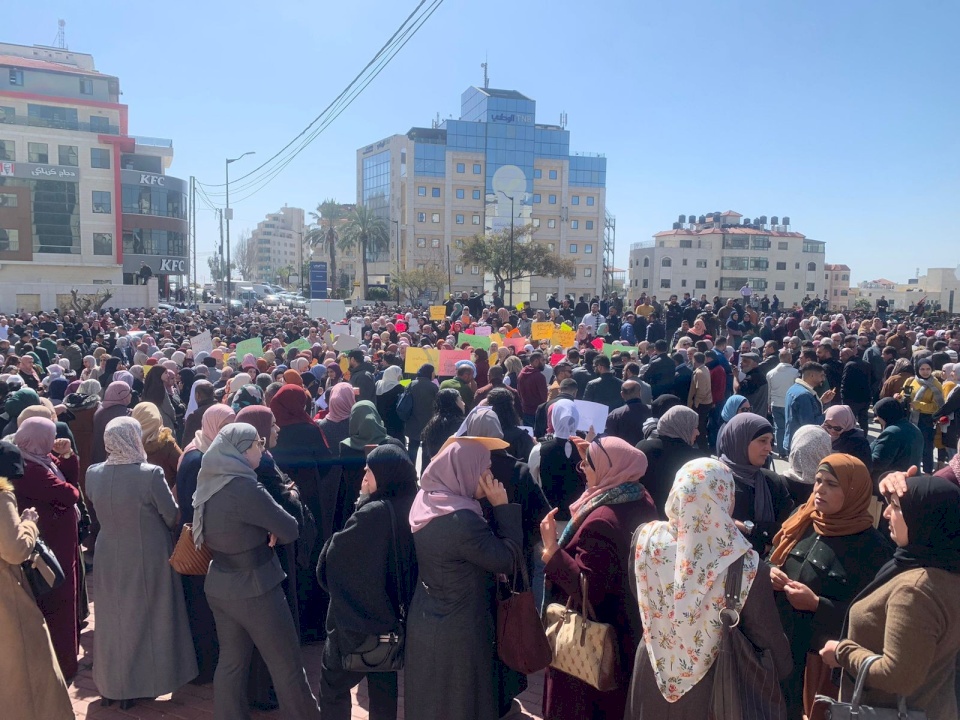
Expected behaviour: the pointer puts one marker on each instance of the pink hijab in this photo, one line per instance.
(117, 393)
(841, 416)
(214, 419)
(615, 462)
(341, 402)
(450, 483)
(34, 438)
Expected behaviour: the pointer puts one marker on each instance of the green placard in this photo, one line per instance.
(298, 345)
(477, 341)
(609, 349)
(252, 346)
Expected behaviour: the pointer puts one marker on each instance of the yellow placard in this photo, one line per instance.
(496, 338)
(438, 312)
(420, 356)
(564, 337)
(542, 330)
(344, 364)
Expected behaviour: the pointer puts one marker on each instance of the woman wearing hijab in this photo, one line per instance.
(845, 434)
(201, 398)
(155, 390)
(336, 425)
(553, 461)
(158, 442)
(247, 396)
(240, 524)
(595, 543)
(925, 396)
(82, 406)
(33, 685)
(825, 553)
(116, 399)
(110, 366)
(900, 443)
(762, 497)
(902, 371)
(423, 393)
(519, 440)
(678, 578)
(909, 614)
(144, 650)
(366, 428)
(449, 411)
(389, 391)
(294, 557)
(187, 377)
(734, 405)
(367, 603)
(657, 408)
(673, 446)
(811, 444)
(50, 484)
(449, 656)
(201, 618)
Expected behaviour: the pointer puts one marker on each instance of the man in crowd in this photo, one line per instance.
(661, 370)
(803, 407)
(605, 389)
(779, 381)
(532, 386)
(626, 422)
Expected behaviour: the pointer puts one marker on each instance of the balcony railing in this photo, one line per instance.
(59, 124)
(677, 243)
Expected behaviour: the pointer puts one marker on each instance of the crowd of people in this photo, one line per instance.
(345, 495)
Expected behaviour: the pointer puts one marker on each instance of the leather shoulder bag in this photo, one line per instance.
(825, 708)
(42, 570)
(187, 559)
(521, 641)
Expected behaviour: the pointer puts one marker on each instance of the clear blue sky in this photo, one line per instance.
(842, 115)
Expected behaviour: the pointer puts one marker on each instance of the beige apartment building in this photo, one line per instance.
(718, 253)
(279, 244)
(495, 165)
(940, 287)
(839, 296)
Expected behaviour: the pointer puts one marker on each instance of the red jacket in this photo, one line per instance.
(532, 386)
(718, 384)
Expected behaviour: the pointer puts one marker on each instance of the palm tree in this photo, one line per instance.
(368, 233)
(327, 217)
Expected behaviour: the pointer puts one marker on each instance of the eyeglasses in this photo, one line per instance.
(834, 428)
(261, 443)
(596, 441)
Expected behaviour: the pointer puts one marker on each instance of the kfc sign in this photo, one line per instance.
(172, 266)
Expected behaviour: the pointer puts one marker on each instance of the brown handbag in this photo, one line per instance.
(186, 558)
(521, 642)
(583, 647)
(745, 682)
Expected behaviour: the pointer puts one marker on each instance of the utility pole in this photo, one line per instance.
(511, 198)
(449, 276)
(193, 239)
(397, 223)
(220, 264)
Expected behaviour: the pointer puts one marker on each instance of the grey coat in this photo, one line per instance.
(142, 647)
(449, 656)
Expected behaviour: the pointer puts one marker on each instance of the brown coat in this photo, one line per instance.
(32, 686)
(165, 453)
(894, 384)
(913, 622)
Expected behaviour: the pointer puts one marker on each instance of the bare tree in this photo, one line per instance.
(245, 255)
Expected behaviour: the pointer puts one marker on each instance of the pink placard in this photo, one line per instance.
(449, 360)
(557, 357)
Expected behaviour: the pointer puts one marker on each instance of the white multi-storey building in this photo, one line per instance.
(718, 253)
(279, 243)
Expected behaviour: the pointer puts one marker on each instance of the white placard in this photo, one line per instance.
(202, 343)
(592, 413)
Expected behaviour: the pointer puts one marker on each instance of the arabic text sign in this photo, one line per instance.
(438, 312)
(420, 356)
(564, 337)
(252, 346)
(201, 343)
(449, 360)
(542, 330)
(300, 344)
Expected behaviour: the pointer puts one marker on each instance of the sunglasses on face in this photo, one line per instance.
(596, 441)
(834, 428)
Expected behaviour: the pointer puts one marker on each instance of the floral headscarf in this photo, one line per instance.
(123, 440)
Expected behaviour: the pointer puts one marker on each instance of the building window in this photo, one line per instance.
(780, 286)
(8, 200)
(474, 269)
(590, 200)
(476, 194)
(421, 217)
(100, 124)
(553, 174)
(700, 284)
(534, 297)
(459, 219)
(16, 77)
(844, 277)
(811, 287)
(435, 217)
(796, 266)
(101, 201)
(588, 248)
(811, 267)
(551, 247)
(435, 192)
(783, 245)
(100, 158)
(573, 247)
(646, 284)
(434, 242)
(684, 262)
(683, 283)
(421, 266)
(421, 242)
(575, 200)
(551, 223)
(781, 266)
(68, 155)
(458, 269)
(646, 262)
(102, 244)
(476, 169)
(536, 222)
(574, 224)
(843, 293)
(9, 240)
(701, 263)
(476, 219)
(836, 293)
(589, 224)
(666, 262)
(460, 194)
(37, 153)
(458, 242)
(537, 173)
(688, 244)
(796, 286)
(588, 272)
(810, 246)
(536, 198)
(8, 150)
(664, 284)
(86, 86)
(552, 199)
(461, 168)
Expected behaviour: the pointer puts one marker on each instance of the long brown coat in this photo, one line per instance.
(165, 453)
(32, 686)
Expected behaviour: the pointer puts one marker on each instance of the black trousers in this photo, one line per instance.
(336, 684)
(703, 411)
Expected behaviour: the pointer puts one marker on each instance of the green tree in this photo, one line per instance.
(325, 232)
(218, 267)
(492, 253)
(414, 283)
(862, 304)
(367, 232)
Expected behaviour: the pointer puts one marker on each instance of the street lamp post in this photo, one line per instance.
(511, 198)
(229, 214)
(397, 223)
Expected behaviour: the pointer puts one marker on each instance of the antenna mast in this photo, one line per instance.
(486, 78)
(61, 41)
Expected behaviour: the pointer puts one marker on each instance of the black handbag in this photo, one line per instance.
(745, 682)
(825, 708)
(42, 570)
(384, 652)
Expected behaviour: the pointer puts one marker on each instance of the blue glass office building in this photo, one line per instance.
(439, 185)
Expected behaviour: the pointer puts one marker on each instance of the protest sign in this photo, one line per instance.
(202, 343)
(298, 345)
(592, 414)
(416, 357)
(542, 330)
(448, 361)
(518, 344)
(253, 346)
(337, 329)
(438, 312)
(557, 357)
(496, 338)
(477, 341)
(346, 343)
(564, 337)
(484, 330)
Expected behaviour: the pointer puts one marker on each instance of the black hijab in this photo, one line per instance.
(396, 476)
(889, 410)
(663, 403)
(11, 461)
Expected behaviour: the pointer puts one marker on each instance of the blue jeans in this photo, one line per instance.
(779, 425)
